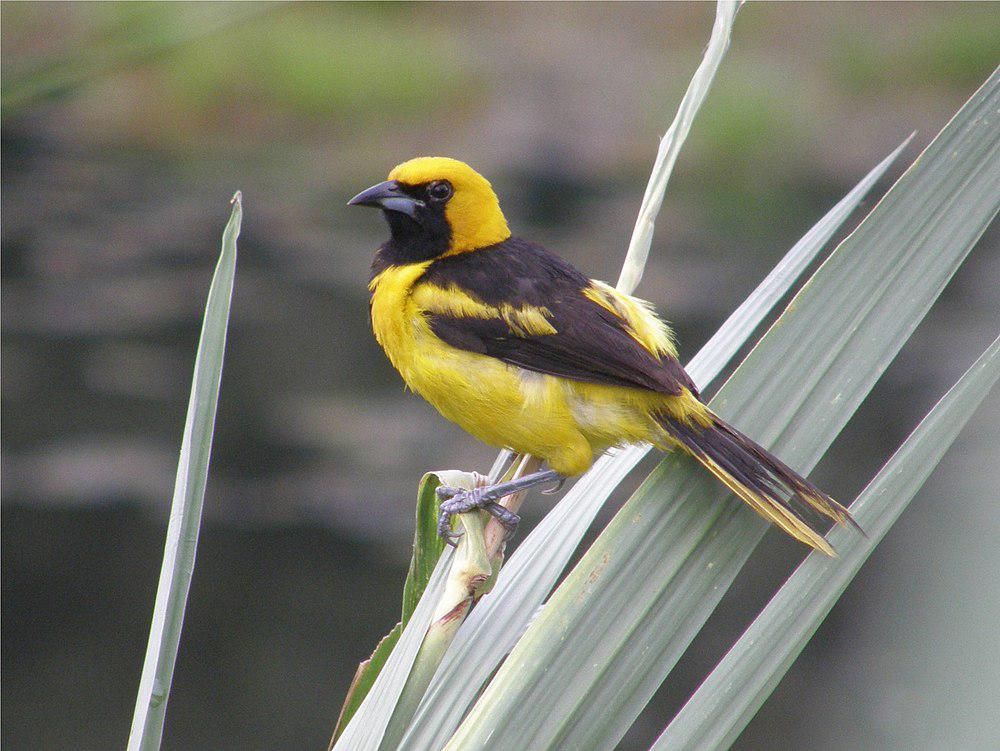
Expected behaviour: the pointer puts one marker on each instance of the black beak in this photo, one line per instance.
(389, 197)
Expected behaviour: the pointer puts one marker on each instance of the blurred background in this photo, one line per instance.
(127, 127)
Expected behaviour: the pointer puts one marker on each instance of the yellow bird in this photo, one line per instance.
(526, 353)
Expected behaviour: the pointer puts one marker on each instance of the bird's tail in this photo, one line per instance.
(770, 487)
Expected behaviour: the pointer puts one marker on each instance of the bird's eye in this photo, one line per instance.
(440, 190)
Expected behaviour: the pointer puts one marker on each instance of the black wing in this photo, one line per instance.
(590, 343)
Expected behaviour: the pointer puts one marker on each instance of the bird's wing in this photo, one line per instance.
(529, 308)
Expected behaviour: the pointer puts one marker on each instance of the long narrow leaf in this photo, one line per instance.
(722, 706)
(622, 618)
(367, 728)
(364, 679)
(189, 493)
(671, 143)
(427, 548)
(427, 544)
(499, 620)
(469, 576)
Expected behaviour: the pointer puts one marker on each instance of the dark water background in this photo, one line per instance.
(126, 130)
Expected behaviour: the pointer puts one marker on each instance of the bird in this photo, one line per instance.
(525, 352)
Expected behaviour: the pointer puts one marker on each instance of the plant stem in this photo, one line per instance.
(472, 571)
(496, 534)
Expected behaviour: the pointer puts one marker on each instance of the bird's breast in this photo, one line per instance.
(394, 316)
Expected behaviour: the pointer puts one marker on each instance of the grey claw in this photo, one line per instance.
(555, 488)
(445, 493)
(445, 531)
(465, 500)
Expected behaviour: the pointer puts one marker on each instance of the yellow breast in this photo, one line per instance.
(498, 403)
(464, 386)
(394, 315)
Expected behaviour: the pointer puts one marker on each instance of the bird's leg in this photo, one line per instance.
(457, 501)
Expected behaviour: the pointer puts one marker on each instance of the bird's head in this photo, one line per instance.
(438, 206)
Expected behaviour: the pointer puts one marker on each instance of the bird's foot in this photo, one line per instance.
(458, 501)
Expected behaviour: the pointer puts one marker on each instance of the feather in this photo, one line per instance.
(772, 488)
(525, 307)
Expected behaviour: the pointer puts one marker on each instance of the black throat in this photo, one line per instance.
(413, 241)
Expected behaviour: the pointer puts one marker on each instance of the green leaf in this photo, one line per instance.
(367, 727)
(470, 572)
(671, 143)
(427, 545)
(617, 625)
(736, 688)
(525, 581)
(364, 678)
(189, 494)
(427, 549)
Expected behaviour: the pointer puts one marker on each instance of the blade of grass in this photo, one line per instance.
(497, 622)
(427, 545)
(427, 548)
(364, 679)
(189, 494)
(415, 654)
(671, 143)
(367, 728)
(731, 695)
(622, 618)
(471, 573)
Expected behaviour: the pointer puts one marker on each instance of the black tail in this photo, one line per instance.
(771, 488)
